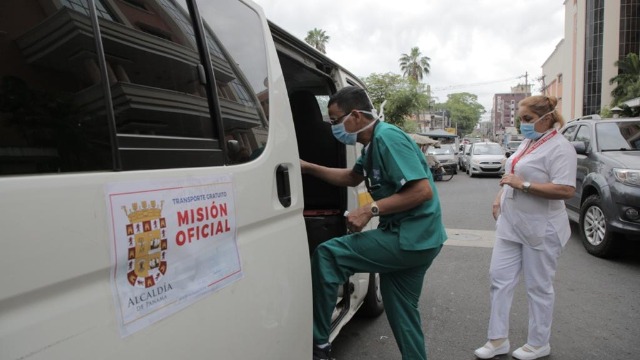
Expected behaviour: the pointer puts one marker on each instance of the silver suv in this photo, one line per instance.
(606, 203)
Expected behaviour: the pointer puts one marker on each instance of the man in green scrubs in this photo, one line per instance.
(410, 232)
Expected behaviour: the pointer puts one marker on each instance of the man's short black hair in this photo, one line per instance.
(351, 98)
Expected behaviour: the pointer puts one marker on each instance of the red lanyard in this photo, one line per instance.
(536, 145)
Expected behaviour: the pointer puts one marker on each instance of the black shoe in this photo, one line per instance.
(322, 353)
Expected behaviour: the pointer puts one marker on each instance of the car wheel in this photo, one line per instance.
(372, 305)
(596, 237)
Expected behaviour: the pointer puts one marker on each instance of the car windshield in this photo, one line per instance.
(487, 149)
(614, 135)
(442, 150)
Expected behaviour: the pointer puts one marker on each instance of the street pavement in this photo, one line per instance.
(597, 312)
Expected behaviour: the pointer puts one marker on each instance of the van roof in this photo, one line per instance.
(287, 38)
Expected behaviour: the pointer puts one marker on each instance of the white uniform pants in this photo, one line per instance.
(508, 260)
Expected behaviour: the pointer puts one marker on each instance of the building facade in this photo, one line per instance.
(505, 109)
(597, 34)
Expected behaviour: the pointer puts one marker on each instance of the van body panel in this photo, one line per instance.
(57, 269)
(57, 300)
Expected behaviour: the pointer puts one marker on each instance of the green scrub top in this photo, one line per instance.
(396, 160)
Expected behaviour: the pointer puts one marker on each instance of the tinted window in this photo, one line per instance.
(618, 135)
(570, 132)
(513, 144)
(54, 116)
(584, 135)
(442, 150)
(488, 149)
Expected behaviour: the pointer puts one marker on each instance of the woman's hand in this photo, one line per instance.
(495, 210)
(512, 180)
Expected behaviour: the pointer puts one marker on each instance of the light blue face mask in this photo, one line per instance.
(341, 134)
(528, 130)
(347, 138)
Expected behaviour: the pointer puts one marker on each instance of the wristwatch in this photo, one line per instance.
(374, 209)
(526, 186)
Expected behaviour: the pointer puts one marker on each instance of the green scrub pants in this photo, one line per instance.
(401, 280)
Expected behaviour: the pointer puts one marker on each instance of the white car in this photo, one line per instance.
(446, 155)
(486, 158)
(463, 157)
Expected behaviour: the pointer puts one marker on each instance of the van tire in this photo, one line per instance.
(372, 305)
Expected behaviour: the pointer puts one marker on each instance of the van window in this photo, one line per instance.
(54, 114)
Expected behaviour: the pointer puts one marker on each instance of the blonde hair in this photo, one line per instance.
(542, 104)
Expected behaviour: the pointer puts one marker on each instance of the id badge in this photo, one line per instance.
(509, 193)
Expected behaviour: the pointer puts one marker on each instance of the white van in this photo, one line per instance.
(151, 201)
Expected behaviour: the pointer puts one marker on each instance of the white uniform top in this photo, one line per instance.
(526, 218)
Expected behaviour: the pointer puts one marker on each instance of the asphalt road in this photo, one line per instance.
(597, 312)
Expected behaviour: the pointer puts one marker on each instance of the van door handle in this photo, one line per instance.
(282, 183)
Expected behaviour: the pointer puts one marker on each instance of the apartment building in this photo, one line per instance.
(505, 109)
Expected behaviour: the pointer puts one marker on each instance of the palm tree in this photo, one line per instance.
(318, 39)
(627, 80)
(413, 65)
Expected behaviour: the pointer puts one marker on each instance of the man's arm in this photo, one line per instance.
(411, 195)
(334, 176)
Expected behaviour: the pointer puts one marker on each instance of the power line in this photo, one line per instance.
(459, 86)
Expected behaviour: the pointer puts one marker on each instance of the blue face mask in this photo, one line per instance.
(529, 131)
(342, 135)
(347, 138)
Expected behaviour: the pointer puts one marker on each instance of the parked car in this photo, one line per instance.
(606, 204)
(511, 147)
(463, 157)
(446, 155)
(486, 158)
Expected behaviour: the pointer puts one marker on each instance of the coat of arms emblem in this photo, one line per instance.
(147, 242)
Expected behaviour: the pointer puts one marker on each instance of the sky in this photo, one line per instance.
(481, 47)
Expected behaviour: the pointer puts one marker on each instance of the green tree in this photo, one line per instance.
(413, 65)
(318, 39)
(403, 97)
(380, 87)
(628, 79)
(464, 110)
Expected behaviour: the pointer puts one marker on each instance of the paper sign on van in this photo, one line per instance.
(173, 242)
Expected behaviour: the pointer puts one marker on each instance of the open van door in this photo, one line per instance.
(311, 78)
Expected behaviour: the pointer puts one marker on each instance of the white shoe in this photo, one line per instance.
(528, 352)
(488, 351)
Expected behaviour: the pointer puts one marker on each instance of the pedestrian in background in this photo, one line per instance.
(532, 227)
(410, 232)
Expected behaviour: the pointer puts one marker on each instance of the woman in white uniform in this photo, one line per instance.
(532, 227)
